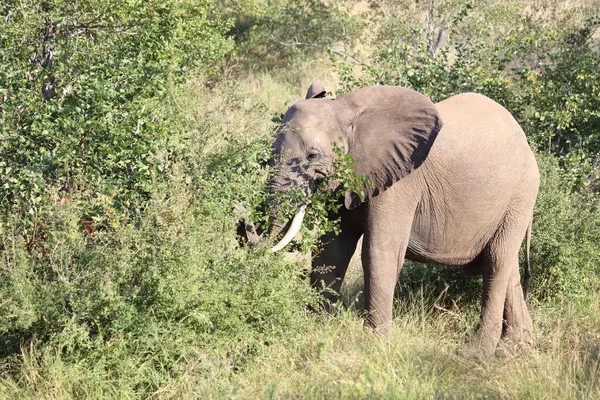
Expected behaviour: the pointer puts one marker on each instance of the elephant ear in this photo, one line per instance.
(390, 131)
(315, 91)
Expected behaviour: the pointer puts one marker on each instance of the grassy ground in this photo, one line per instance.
(335, 357)
(340, 359)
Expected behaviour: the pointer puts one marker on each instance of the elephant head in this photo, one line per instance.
(388, 130)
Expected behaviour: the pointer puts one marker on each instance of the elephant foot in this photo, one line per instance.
(473, 350)
(381, 330)
(515, 341)
(512, 349)
(481, 345)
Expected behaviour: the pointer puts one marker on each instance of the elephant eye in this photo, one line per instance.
(313, 156)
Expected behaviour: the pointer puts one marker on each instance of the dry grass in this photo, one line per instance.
(420, 360)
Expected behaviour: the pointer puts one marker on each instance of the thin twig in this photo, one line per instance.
(452, 313)
(139, 122)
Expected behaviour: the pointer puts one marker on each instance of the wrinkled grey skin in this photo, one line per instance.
(453, 183)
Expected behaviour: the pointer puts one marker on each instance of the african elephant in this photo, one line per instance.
(452, 183)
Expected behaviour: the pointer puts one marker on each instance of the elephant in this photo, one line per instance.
(452, 183)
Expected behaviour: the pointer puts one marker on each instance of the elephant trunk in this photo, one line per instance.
(277, 227)
(245, 226)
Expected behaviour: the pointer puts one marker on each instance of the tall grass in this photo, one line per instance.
(421, 360)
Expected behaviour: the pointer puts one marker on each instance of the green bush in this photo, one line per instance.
(119, 262)
(145, 305)
(273, 33)
(559, 102)
(565, 254)
(80, 84)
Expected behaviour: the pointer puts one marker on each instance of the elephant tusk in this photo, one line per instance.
(292, 231)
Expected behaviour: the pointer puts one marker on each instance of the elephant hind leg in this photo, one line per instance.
(518, 328)
(501, 267)
(489, 329)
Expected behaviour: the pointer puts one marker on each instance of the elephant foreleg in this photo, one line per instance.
(384, 248)
(381, 270)
(330, 265)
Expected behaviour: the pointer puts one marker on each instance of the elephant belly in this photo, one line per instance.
(480, 170)
(454, 247)
(467, 186)
(423, 255)
(456, 232)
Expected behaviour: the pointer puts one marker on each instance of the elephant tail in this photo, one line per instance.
(527, 270)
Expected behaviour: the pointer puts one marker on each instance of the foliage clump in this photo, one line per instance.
(145, 305)
(274, 33)
(81, 83)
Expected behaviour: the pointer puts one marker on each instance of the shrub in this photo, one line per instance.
(146, 305)
(559, 103)
(80, 83)
(565, 254)
(272, 33)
